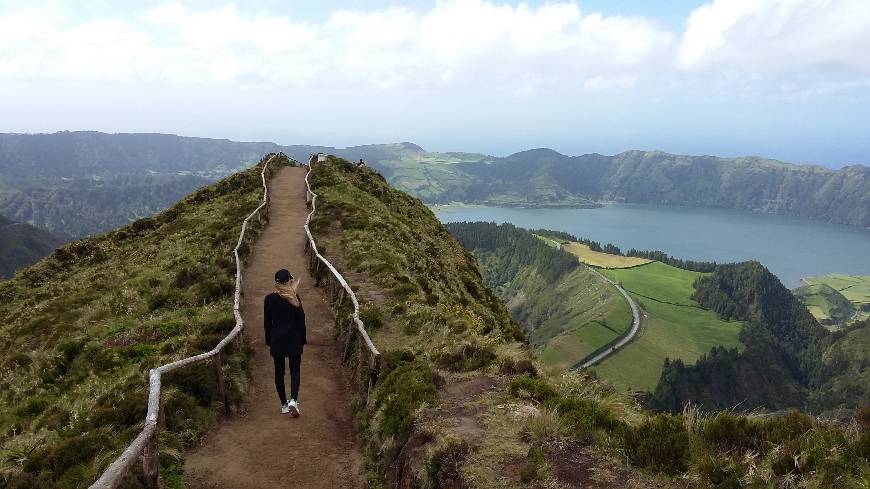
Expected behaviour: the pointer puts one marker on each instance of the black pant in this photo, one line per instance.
(295, 363)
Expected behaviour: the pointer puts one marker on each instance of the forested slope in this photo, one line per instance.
(790, 360)
(22, 245)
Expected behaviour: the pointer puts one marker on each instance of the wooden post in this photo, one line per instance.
(150, 459)
(219, 376)
(373, 378)
(340, 299)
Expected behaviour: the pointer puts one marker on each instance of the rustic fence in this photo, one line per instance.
(145, 443)
(337, 286)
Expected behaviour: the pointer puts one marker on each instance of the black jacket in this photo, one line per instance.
(284, 325)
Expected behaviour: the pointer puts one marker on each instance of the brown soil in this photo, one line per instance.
(260, 447)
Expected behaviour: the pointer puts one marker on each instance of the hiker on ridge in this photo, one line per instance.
(284, 323)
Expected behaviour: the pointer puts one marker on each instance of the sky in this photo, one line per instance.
(787, 79)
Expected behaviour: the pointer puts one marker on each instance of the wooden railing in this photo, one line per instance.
(145, 443)
(339, 289)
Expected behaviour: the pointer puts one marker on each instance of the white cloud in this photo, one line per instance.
(772, 36)
(516, 49)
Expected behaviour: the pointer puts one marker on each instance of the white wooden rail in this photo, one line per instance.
(345, 289)
(146, 442)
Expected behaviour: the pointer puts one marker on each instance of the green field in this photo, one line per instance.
(567, 320)
(829, 310)
(672, 326)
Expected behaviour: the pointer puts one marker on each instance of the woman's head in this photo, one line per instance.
(283, 276)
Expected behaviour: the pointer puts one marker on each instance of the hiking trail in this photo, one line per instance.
(259, 447)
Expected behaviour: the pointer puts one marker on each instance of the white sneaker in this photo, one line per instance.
(285, 408)
(293, 408)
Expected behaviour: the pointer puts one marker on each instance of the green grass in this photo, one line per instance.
(854, 288)
(673, 326)
(81, 329)
(442, 332)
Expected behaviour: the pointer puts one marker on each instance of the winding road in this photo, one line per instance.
(635, 324)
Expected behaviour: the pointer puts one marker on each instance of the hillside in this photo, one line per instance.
(22, 245)
(826, 304)
(82, 183)
(462, 402)
(781, 365)
(543, 177)
(81, 328)
(567, 311)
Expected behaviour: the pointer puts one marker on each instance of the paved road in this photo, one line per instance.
(635, 325)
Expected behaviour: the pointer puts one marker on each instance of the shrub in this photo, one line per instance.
(121, 411)
(401, 393)
(535, 461)
(731, 433)
(443, 466)
(69, 453)
(197, 380)
(371, 316)
(784, 428)
(510, 366)
(584, 414)
(536, 389)
(467, 357)
(660, 443)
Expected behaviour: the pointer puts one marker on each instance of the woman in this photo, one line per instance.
(284, 322)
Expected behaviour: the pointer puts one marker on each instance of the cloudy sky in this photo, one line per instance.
(788, 79)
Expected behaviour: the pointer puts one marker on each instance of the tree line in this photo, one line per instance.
(612, 249)
(515, 247)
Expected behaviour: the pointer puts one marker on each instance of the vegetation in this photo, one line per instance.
(543, 177)
(566, 315)
(608, 255)
(81, 183)
(673, 326)
(790, 359)
(81, 328)
(501, 422)
(600, 259)
(826, 304)
(22, 244)
(828, 307)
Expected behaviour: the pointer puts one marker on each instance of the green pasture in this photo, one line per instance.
(672, 326)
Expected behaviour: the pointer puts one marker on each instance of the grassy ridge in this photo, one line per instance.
(458, 404)
(673, 326)
(81, 329)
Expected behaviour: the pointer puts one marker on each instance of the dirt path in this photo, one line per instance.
(260, 447)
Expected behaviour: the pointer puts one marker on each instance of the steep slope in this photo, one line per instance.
(460, 402)
(784, 344)
(81, 328)
(826, 304)
(22, 244)
(567, 311)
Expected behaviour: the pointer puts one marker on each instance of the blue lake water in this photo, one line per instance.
(789, 247)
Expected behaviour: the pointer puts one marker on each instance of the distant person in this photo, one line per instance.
(360, 163)
(284, 323)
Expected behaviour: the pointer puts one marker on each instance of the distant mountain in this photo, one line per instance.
(81, 183)
(22, 245)
(543, 177)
